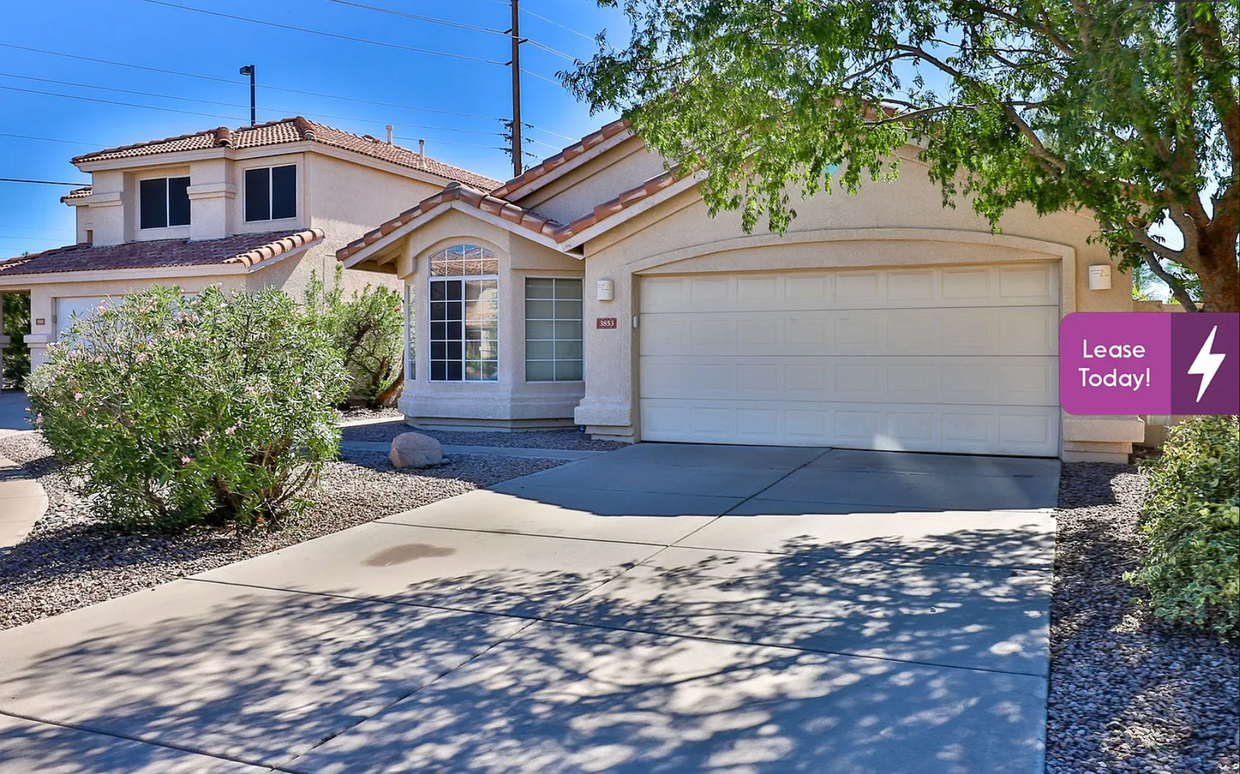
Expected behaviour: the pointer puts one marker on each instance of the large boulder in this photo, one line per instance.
(414, 450)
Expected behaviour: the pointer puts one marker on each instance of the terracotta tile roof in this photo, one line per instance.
(526, 218)
(290, 130)
(77, 193)
(245, 249)
(568, 154)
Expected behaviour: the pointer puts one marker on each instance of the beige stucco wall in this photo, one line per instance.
(510, 401)
(603, 177)
(886, 224)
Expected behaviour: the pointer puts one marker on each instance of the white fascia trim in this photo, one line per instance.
(570, 165)
(440, 209)
(156, 160)
(106, 275)
(606, 224)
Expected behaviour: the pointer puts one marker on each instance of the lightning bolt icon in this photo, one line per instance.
(1206, 364)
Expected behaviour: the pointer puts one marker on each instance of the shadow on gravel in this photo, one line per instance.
(265, 676)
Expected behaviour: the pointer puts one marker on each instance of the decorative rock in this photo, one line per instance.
(414, 450)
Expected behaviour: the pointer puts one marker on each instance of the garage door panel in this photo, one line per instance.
(947, 380)
(965, 430)
(862, 289)
(956, 359)
(989, 331)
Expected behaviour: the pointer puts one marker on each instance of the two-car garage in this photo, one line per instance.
(957, 358)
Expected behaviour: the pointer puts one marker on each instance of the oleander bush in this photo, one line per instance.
(1191, 526)
(173, 411)
(367, 329)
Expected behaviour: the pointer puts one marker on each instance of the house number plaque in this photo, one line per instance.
(607, 323)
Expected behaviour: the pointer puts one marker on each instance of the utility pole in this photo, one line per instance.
(249, 70)
(517, 154)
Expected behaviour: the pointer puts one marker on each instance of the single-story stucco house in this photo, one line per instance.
(254, 207)
(596, 290)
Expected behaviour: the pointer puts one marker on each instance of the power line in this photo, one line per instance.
(557, 24)
(121, 91)
(51, 139)
(38, 182)
(335, 35)
(449, 23)
(283, 111)
(447, 142)
(36, 228)
(234, 82)
(115, 102)
(551, 50)
(419, 17)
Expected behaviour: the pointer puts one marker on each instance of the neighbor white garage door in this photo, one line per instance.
(68, 308)
(959, 359)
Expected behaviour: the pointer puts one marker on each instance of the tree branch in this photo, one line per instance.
(1173, 282)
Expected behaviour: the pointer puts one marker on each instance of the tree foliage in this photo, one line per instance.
(16, 313)
(174, 411)
(367, 329)
(1127, 109)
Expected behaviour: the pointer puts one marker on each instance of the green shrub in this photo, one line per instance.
(16, 313)
(1191, 524)
(368, 331)
(176, 411)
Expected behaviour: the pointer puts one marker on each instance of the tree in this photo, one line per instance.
(367, 329)
(16, 315)
(1123, 108)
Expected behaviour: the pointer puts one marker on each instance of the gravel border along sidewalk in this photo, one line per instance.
(1128, 693)
(570, 439)
(70, 560)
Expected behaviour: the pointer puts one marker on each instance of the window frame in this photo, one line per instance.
(167, 186)
(462, 281)
(555, 319)
(269, 169)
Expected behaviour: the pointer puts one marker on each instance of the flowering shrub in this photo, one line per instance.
(368, 331)
(1191, 521)
(175, 411)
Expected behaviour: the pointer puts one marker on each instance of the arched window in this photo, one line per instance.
(464, 299)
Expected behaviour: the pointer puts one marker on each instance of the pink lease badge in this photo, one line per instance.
(1135, 363)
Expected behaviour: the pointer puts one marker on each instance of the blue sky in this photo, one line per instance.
(152, 35)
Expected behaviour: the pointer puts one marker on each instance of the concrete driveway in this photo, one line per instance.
(662, 608)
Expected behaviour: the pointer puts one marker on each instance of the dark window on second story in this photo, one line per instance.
(271, 193)
(163, 202)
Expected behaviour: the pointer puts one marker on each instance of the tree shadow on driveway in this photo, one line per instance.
(668, 666)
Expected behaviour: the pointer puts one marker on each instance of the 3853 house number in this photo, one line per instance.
(606, 323)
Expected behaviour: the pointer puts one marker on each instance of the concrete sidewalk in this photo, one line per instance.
(22, 499)
(659, 608)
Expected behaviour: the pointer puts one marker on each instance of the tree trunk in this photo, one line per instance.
(1220, 282)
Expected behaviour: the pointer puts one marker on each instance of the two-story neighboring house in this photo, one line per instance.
(254, 207)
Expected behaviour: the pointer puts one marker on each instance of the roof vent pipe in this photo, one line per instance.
(421, 147)
(389, 128)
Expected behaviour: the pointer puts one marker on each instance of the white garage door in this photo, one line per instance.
(67, 308)
(959, 359)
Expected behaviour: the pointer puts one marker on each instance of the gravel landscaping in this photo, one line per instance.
(362, 414)
(571, 439)
(1128, 693)
(70, 560)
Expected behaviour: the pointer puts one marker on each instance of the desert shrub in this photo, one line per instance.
(1191, 525)
(16, 365)
(367, 330)
(176, 411)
